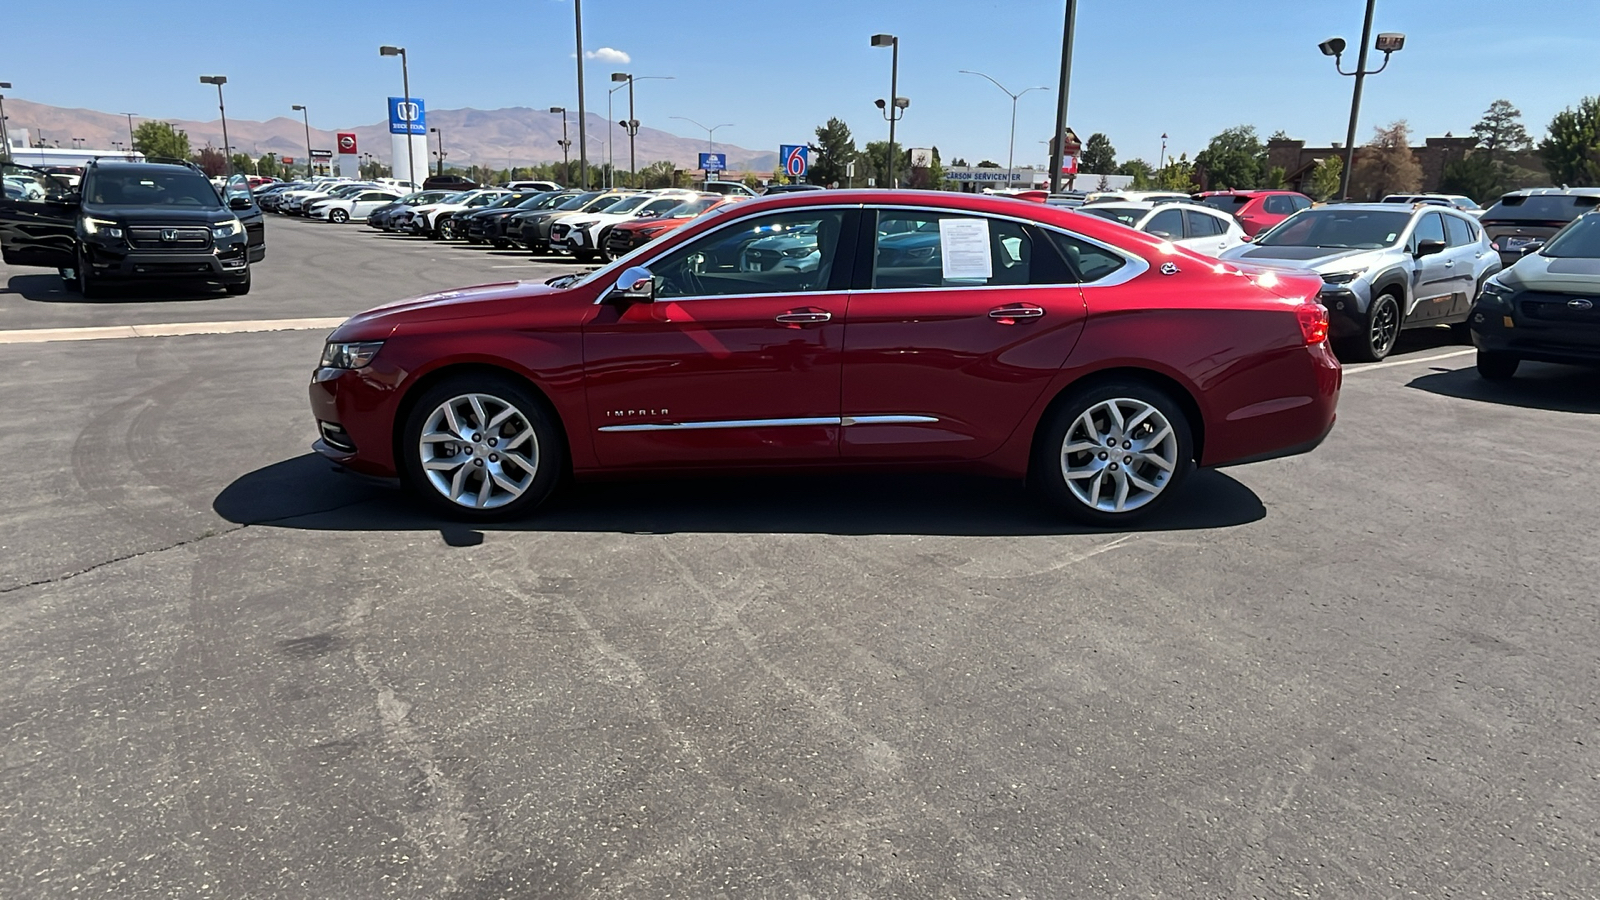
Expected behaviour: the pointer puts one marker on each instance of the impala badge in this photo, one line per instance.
(1580, 304)
(1169, 268)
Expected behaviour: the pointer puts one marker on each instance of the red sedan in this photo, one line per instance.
(1256, 210)
(843, 329)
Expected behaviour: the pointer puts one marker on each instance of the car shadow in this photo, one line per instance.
(308, 492)
(1547, 386)
(48, 288)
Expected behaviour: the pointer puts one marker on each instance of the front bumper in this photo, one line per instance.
(225, 263)
(1347, 307)
(1496, 329)
(354, 410)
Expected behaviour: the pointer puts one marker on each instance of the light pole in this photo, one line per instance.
(1388, 43)
(566, 145)
(440, 132)
(219, 81)
(1011, 154)
(5, 136)
(305, 116)
(709, 132)
(405, 85)
(890, 110)
(1064, 89)
(1161, 161)
(130, 131)
(583, 116)
(632, 124)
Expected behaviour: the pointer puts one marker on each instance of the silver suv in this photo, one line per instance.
(1383, 268)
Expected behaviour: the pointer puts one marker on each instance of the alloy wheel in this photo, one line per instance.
(479, 451)
(1383, 325)
(1119, 455)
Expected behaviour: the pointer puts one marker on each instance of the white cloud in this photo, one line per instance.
(608, 55)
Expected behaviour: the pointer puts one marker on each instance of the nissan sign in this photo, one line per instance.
(347, 142)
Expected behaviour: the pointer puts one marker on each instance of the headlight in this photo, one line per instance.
(1495, 291)
(350, 356)
(797, 252)
(1341, 277)
(91, 225)
(577, 226)
(227, 229)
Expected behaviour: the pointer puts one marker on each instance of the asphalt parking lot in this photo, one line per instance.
(230, 671)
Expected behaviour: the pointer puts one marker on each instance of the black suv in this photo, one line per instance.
(451, 182)
(1523, 220)
(132, 221)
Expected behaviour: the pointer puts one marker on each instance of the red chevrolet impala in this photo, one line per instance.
(843, 329)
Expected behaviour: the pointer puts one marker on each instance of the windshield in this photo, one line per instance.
(661, 205)
(177, 188)
(599, 204)
(1580, 240)
(544, 201)
(629, 204)
(579, 201)
(1128, 217)
(1341, 229)
(1546, 207)
(691, 208)
(1228, 203)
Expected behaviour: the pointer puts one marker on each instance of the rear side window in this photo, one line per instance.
(1202, 225)
(910, 248)
(1166, 224)
(1089, 261)
(1299, 202)
(1228, 203)
(1459, 234)
(1279, 205)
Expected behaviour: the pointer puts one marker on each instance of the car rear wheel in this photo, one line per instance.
(338, 216)
(1382, 329)
(482, 448)
(1113, 453)
(1497, 366)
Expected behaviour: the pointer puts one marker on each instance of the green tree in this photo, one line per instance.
(211, 161)
(269, 167)
(1388, 166)
(1099, 157)
(658, 174)
(1325, 178)
(1476, 175)
(1571, 151)
(1234, 160)
(988, 164)
(1177, 175)
(243, 164)
(1274, 179)
(1142, 173)
(154, 138)
(752, 181)
(832, 154)
(875, 159)
(1500, 131)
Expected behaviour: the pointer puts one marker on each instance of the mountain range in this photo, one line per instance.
(486, 137)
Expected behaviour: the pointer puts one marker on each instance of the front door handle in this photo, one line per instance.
(801, 317)
(1008, 315)
(1449, 264)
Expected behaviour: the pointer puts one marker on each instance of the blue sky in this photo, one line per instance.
(776, 70)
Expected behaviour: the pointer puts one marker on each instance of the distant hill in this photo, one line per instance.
(492, 137)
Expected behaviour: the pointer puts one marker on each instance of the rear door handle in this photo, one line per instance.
(795, 317)
(1008, 315)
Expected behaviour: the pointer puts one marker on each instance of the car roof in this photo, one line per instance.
(1148, 205)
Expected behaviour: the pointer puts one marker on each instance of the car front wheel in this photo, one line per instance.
(481, 448)
(1381, 331)
(1113, 453)
(1497, 366)
(89, 287)
(338, 216)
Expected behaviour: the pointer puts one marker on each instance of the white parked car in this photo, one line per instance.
(355, 206)
(425, 219)
(584, 234)
(290, 202)
(1133, 197)
(1189, 225)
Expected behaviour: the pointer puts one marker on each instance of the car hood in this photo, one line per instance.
(1562, 275)
(643, 224)
(458, 303)
(165, 215)
(1317, 259)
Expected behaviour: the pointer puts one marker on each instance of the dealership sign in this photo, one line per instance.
(984, 174)
(347, 142)
(407, 115)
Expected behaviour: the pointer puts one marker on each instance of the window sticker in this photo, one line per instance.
(964, 244)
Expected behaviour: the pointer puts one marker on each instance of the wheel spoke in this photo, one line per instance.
(458, 482)
(451, 419)
(1155, 440)
(500, 419)
(435, 437)
(1134, 422)
(522, 462)
(1116, 417)
(477, 411)
(444, 465)
(1121, 478)
(518, 440)
(1099, 481)
(507, 485)
(1148, 487)
(484, 489)
(1154, 459)
(1081, 447)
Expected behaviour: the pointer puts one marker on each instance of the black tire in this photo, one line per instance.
(1379, 332)
(242, 288)
(501, 244)
(89, 287)
(338, 216)
(1497, 366)
(548, 457)
(1049, 474)
(585, 256)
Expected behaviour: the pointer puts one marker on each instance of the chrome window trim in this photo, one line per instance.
(843, 421)
(1136, 265)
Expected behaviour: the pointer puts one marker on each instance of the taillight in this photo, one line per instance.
(1313, 322)
(1495, 246)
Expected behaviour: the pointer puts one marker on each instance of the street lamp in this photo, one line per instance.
(892, 42)
(632, 124)
(1011, 154)
(305, 115)
(1388, 43)
(405, 82)
(219, 81)
(1058, 149)
(5, 136)
(709, 132)
(440, 152)
(130, 130)
(566, 145)
(583, 116)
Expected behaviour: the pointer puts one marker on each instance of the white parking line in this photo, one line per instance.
(1355, 370)
(167, 329)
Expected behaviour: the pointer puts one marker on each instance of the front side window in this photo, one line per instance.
(1167, 224)
(23, 183)
(927, 249)
(781, 253)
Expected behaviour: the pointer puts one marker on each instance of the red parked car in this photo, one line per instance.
(843, 329)
(1256, 210)
(625, 237)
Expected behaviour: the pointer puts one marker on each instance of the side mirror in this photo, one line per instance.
(239, 203)
(1428, 248)
(636, 284)
(65, 198)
